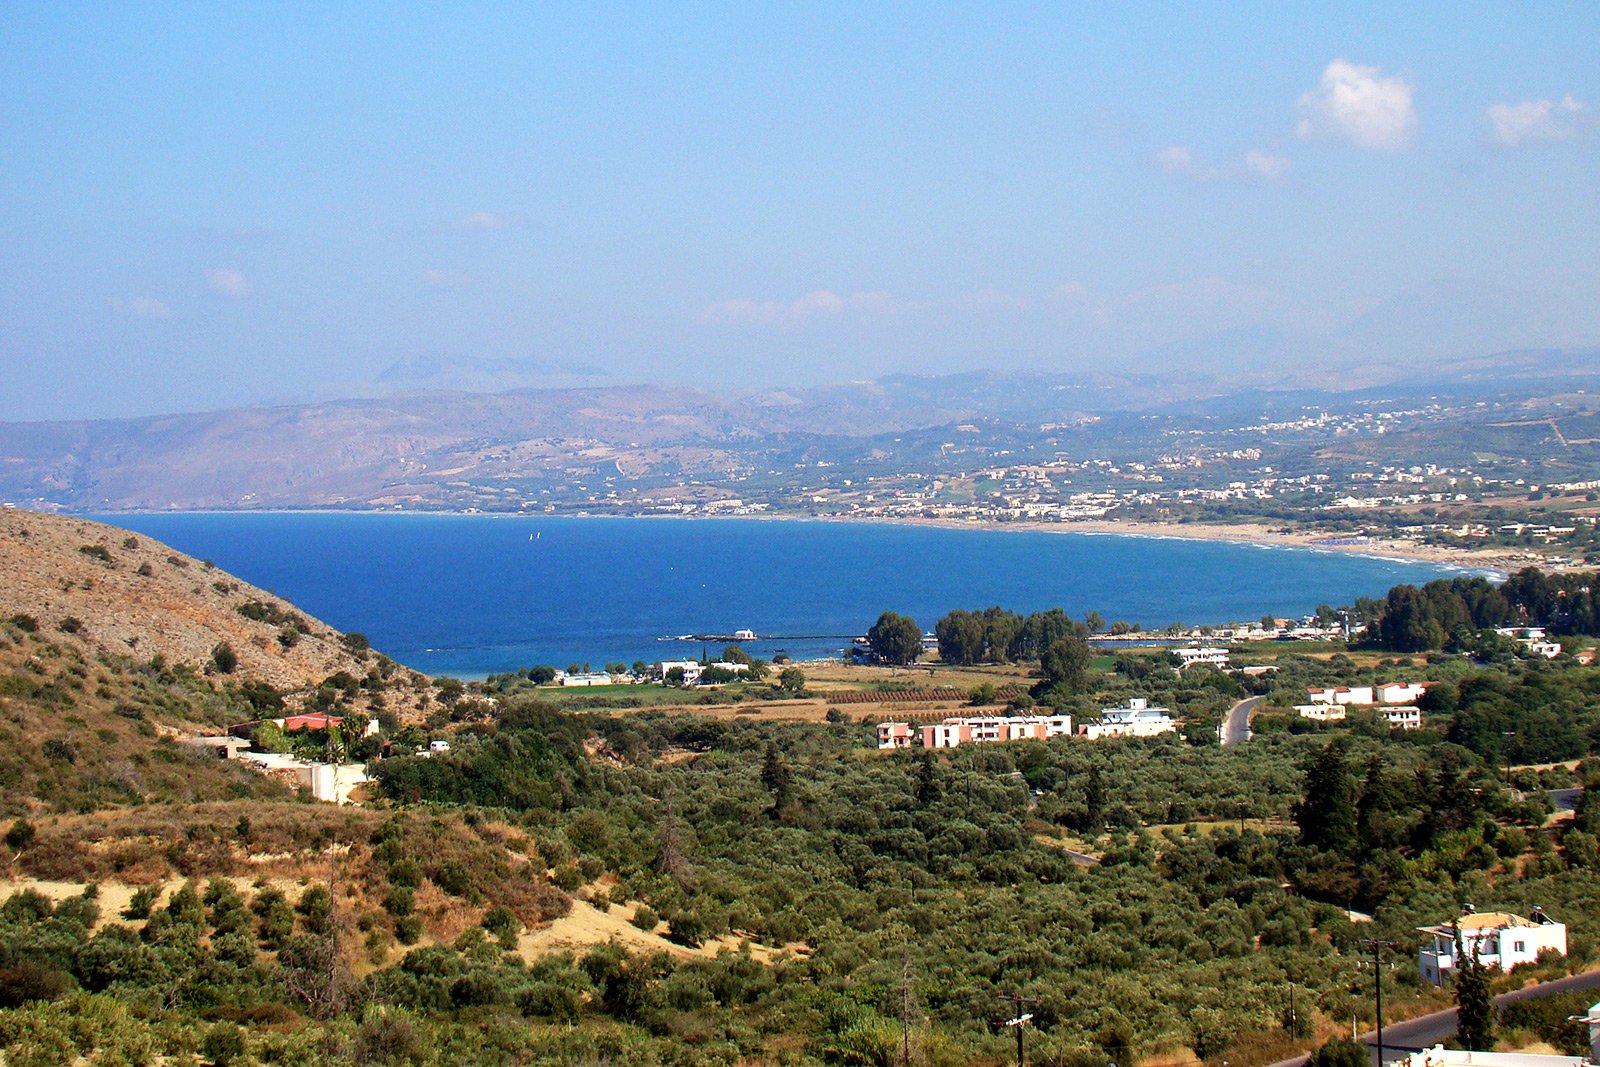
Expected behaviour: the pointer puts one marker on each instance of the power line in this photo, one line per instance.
(1021, 1018)
(1377, 946)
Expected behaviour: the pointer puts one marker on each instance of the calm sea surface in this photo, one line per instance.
(469, 595)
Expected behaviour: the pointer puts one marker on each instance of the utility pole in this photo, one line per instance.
(1377, 948)
(1021, 1018)
(905, 1007)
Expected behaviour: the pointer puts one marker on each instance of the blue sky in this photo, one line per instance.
(203, 205)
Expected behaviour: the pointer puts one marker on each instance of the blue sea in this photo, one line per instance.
(470, 595)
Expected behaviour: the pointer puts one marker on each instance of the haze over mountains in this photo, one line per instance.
(415, 448)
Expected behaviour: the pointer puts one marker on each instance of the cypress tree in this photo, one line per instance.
(1326, 814)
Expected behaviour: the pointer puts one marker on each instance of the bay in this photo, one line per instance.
(468, 595)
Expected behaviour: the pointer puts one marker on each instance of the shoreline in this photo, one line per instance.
(1493, 563)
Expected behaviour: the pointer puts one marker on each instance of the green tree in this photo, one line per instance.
(927, 780)
(961, 637)
(1475, 1011)
(792, 680)
(775, 776)
(1340, 1052)
(1326, 814)
(1065, 663)
(895, 639)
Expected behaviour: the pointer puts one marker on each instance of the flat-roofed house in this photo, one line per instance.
(1138, 719)
(1499, 940)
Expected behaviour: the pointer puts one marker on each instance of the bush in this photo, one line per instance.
(645, 918)
(389, 1037)
(1340, 1052)
(224, 658)
(502, 925)
(20, 835)
(399, 901)
(70, 624)
(26, 623)
(408, 873)
(29, 980)
(223, 1044)
(408, 930)
(144, 898)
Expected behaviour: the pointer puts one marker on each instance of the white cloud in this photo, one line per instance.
(1180, 161)
(489, 220)
(1537, 120)
(1265, 165)
(1358, 104)
(443, 279)
(225, 281)
(1176, 159)
(141, 307)
(990, 298)
(821, 303)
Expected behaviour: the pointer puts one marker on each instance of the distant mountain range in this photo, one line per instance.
(408, 450)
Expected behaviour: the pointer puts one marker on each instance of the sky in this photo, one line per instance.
(206, 205)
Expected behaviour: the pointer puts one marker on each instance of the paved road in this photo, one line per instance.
(1236, 727)
(1425, 1031)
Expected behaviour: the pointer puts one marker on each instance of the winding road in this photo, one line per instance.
(1236, 725)
(1403, 1038)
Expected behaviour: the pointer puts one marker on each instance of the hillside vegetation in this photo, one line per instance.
(124, 598)
(577, 887)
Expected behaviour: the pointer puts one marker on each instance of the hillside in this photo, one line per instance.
(113, 649)
(105, 592)
(645, 447)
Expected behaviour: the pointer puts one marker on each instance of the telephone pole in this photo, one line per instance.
(1377, 948)
(1021, 1019)
(905, 1007)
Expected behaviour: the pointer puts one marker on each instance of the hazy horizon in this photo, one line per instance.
(205, 208)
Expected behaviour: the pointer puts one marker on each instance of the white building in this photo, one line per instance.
(331, 783)
(691, 669)
(1499, 940)
(1439, 1056)
(1402, 718)
(1190, 656)
(1532, 639)
(895, 735)
(1138, 719)
(1387, 693)
(1320, 712)
(973, 730)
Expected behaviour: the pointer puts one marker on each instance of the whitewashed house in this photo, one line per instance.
(1499, 940)
(1402, 718)
(972, 730)
(895, 735)
(1138, 719)
(1217, 657)
(1320, 712)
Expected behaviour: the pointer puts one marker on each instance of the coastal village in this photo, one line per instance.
(1151, 707)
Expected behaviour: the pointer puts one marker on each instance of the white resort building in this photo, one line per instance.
(1499, 940)
(1394, 701)
(1532, 639)
(1138, 719)
(973, 730)
(1217, 657)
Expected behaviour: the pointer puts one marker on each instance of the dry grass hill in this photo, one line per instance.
(113, 593)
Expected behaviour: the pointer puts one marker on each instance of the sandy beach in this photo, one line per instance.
(1496, 561)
